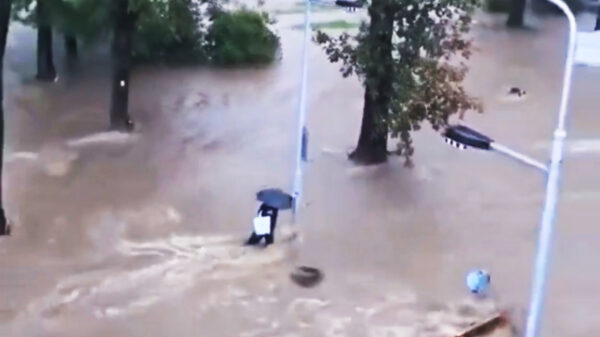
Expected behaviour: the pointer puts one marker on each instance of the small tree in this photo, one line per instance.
(124, 26)
(40, 14)
(45, 59)
(4, 22)
(71, 46)
(410, 58)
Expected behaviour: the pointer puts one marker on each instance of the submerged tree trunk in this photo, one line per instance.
(4, 21)
(124, 23)
(372, 142)
(71, 46)
(45, 61)
(516, 13)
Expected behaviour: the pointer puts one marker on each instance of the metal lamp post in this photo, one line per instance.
(302, 131)
(587, 53)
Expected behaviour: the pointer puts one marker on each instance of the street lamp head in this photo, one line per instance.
(455, 144)
(349, 4)
(463, 137)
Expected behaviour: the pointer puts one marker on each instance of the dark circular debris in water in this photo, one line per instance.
(307, 277)
(516, 91)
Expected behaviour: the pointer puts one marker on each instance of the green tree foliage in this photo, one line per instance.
(162, 26)
(498, 6)
(241, 37)
(60, 14)
(171, 32)
(411, 58)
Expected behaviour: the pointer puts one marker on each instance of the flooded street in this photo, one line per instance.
(140, 235)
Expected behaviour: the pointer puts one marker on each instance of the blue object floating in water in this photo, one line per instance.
(478, 281)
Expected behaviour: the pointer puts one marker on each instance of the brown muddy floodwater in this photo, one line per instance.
(141, 235)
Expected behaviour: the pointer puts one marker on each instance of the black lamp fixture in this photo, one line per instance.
(462, 137)
(350, 5)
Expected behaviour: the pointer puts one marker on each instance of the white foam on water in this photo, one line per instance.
(396, 331)
(31, 156)
(365, 171)
(131, 308)
(305, 310)
(173, 215)
(57, 161)
(576, 146)
(329, 150)
(184, 261)
(337, 326)
(513, 98)
(424, 174)
(57, 169)
(110, 137)
(585, 146)
(72, 296)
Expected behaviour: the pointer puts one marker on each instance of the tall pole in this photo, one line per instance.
(301, 140)
(597, 27)
(5, 6)
(552, 186)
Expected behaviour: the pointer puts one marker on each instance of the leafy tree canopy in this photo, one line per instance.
(429, 49)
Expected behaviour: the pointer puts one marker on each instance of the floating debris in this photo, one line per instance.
(513, 94)
(307, 277)
(487, 327)
(517, 91)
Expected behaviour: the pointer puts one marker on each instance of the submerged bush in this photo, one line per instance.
(172, 33)
(241, 37)
(183, 33)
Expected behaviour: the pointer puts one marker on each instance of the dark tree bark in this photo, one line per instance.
(516, 13)
(71, 46)
(124, 25)
(45, 59)
(597, 20)
(372, 142)
(4, 21)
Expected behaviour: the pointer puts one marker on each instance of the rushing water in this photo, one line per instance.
(140, 235)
